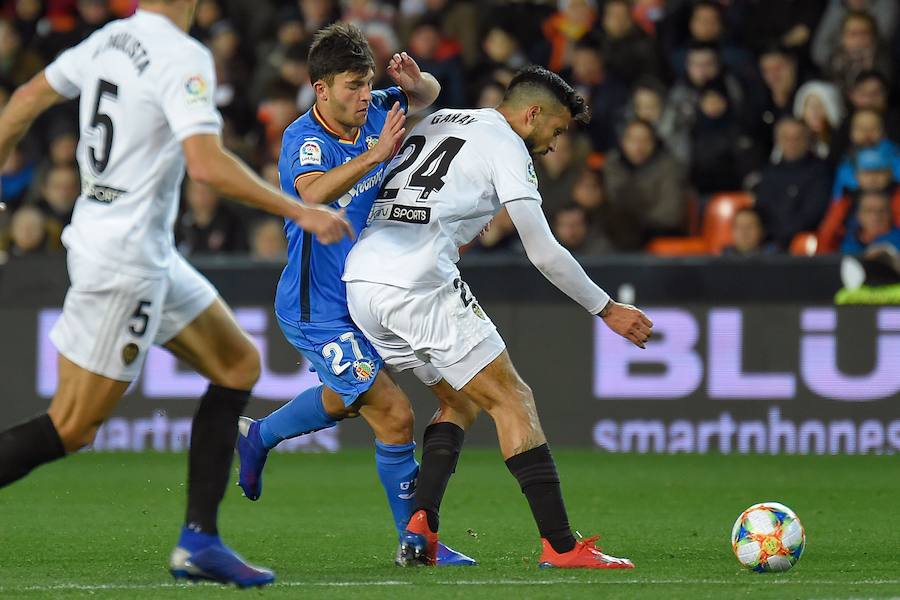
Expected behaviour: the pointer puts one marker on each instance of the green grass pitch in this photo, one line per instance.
(102, 525)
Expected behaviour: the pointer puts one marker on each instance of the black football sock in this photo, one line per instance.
(26, 446)
(213, 436)
(536, 473)
(440, 453)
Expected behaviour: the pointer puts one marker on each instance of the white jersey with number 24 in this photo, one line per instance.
(451, 176)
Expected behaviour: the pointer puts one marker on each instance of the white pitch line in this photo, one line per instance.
(389, 583)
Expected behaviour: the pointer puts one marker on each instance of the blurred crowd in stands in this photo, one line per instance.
(742, 127)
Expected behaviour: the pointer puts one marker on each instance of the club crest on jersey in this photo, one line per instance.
(196, 89)
(371, 140)
(531, 175)
(478, 312)
(310, 154)
(130, 353)
(363, 369)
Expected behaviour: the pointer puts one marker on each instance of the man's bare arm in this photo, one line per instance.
(334, 183)
(28, 102)
(210, 163)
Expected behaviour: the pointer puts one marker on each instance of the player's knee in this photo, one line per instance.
(243, 371)
(463, 412)
(398, 422)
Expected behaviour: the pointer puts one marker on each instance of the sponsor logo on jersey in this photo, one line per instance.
(130, 353)
(371, 140)
(406, 214)
(531, 175)
(102, 193)
(363, 369)
(196, 90)
(310, 154)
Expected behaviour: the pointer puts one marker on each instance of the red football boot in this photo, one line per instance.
(418, 544)
(585, 555)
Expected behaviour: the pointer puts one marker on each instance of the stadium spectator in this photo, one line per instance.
(572, 229)
(875, 175)
(207, 225)
(501, 50)
(605, 95)
(859, 50)
(706, 27)
(748, 235)
(723, 157)
(648, 103)
(490, 95)
(789, 24)
(18, 63)
(644, 190)
(499, 237)
(819, 105)
(27, 233)
(440, 57)
(828, 33)
(683, 105)
(628, 51)
(58, 195)
(648, 13)
(209, 12)
(26, 16)
(870, 91)
(793, 193)
(557, 172)
(456, 23)
(232, 71)
(779, 71)
(15, 178)
(866, 131)
(563, 29)
(267, 241)
(872, 226)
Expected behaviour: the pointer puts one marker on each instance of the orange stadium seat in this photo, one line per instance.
(718, 216)
(715, 231)
(678, 246)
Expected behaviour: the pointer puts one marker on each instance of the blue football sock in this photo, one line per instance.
(192, 540)
(303, 414)
(397, 470)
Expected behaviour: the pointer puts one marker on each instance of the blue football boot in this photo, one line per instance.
(448, 557)
(216, 562)
(252, 454)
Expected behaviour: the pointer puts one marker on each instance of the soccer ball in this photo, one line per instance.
(768, 537)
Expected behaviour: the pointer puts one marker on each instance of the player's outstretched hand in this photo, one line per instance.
(391, 134)
(328, 225)
(404, 71)
(629, 322)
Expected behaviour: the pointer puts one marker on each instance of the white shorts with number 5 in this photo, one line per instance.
(110, 319)
(441, 325)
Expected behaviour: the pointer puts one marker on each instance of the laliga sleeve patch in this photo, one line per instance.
(310, 154)
(530, 174)
(196, 91)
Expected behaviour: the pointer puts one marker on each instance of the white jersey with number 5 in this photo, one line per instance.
(453, 173)
(145, 86)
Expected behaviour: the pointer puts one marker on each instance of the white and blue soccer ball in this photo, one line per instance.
(768, 538)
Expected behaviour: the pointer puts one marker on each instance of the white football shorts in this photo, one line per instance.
(110, 319)
(442, 325)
